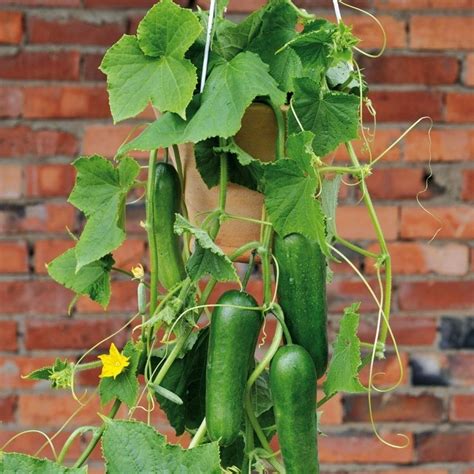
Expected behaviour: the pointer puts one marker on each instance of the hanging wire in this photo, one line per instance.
(212, 12)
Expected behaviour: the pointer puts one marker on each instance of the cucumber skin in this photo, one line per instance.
(302, 295)
(293, 386)
(232, 340)
(167, 203)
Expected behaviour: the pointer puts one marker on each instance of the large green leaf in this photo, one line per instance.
(15, 463)
(343, 372)
(143, 450)
(290, 188)
(100, 193)
(207, 258)
(152, 67)
(333, 117)
(125, 385)
(230, 89)
(92, 279)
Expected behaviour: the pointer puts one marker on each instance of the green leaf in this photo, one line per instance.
(333, 117)
(59, 374)
(143, 450)
(230, 89)
(243, 169)
(125, 385)
(329, 198)
(168, 30)
(93, 279)
(343, 372)
(261, 395)
(100, 193)
(290, 188)
(11, 463)
(207, 258)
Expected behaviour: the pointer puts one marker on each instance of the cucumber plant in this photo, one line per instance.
(201, 75)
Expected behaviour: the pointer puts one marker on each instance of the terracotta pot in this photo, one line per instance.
(258, 138)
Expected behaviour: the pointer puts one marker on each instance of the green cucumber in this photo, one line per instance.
(293, 386)
(167, 203)
(232, 340)
(302, 295)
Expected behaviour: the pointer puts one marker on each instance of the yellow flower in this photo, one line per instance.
(113, 363)
(138, 272)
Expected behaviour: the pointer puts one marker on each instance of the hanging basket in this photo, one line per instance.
(258, 138)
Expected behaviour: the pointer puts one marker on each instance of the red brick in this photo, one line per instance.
(48, 250)
(388, 371)
(406, 106)
(51, 217)
(58, 66)
(408, 331)
(331, 411)
(11, 27)
(105, 140)
(423, 408)
(399, 69)
(397, 183)
(11, 181)
(71, 334)
(131, 253)
(353, 223)
(384, 138)
(455, 222)
(441, 32)
(49, 180)
(422, 4)
(14, 257)
(468, 76)
(7, 408)
(445, 447)
(73, 31)
(460, 107)
(364, 449)
(415, 258)
(433, 295)
(12, 368)
(124, 299)
(11, 102)
(66, 102)
(370, 34)
(8, 341)
(343, 292)
(33, 298)
(468, 185)
(446, 145)
(105, 4)
(43, 3)
(461, 408)
(91, 67)
(23, 141)
(461, 368)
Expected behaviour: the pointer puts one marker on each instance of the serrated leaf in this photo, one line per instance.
(333, 117)
(329, 199)
(230, 89)
(92, 279)
(343, 371)
(243, 169)
(125, 385)
(100, 193)
(290, 188)
(143, 450)
(207, 258)
(11, 463)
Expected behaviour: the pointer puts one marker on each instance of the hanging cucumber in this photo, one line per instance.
(167, 202)
(293, 386)
(232, 340)
(302, 295)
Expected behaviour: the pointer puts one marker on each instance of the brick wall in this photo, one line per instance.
(53, 106)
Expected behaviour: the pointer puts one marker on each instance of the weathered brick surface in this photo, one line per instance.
(54, 107)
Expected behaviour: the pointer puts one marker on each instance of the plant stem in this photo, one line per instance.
(199, 436)
(278, 312)
(77, 432)
(265, 254)
(342, 170)
(120, 270)
(223, 180)
(356, 248)
(281, 130)
(96, 437)
(383, 247)
(150, 226)
(88, 366)
(248, 273)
